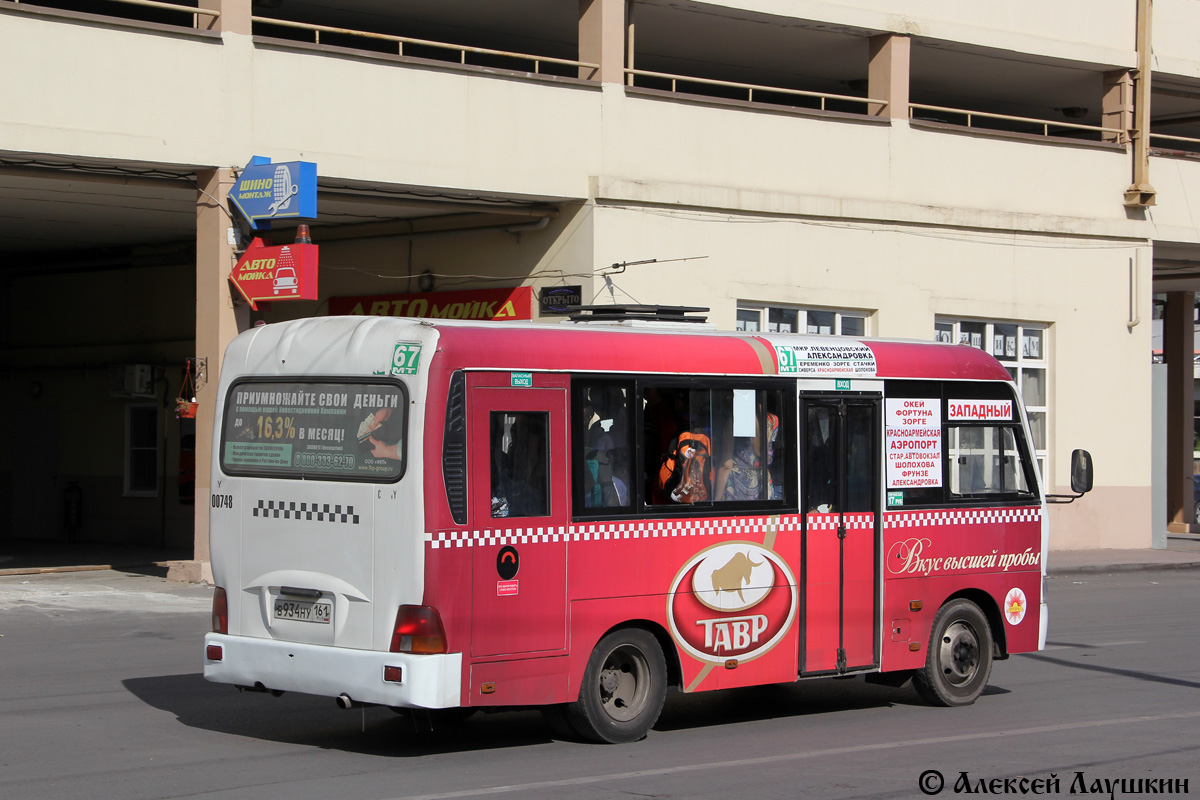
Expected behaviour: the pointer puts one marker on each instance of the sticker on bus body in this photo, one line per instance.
(732, 600)
(1015, 606)
(406, 358)
(826, 360)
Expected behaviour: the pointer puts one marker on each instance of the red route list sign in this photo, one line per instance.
(284, 272)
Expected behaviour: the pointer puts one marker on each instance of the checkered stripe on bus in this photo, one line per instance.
(961, 516)
(314, 512)
(829, 522)
(744, 526)
(609, 531)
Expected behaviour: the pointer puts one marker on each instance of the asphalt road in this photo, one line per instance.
(101, 696)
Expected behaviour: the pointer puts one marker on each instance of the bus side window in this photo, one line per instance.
(745, 451)
(985, 460)
(820, 479)
(679, 466)
(604, 413)
(520, 448)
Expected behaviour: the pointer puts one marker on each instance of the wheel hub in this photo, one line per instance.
(960, 653)
(624, 683)
(609, 681)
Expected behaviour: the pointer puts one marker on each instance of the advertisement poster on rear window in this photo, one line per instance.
(332, 430)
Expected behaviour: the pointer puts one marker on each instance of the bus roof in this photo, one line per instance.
(363, 345)
(601, 348)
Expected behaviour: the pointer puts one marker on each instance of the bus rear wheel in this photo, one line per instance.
(623, 690)
(959, 661)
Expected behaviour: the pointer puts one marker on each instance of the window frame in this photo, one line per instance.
(128, 489)
(300, 475)
(639, 505)
(946, 391)
(1020, 447)
(802, 312)
(498, 422)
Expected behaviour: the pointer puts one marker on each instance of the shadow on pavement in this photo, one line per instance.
(317, 722)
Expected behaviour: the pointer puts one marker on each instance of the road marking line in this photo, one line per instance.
(1081, 646)
(745, 762)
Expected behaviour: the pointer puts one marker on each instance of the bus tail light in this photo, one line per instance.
(418, 630)
(220, 611)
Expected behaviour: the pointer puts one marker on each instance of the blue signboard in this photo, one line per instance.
(266, 191)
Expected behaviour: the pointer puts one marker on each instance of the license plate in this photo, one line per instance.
(302, 611)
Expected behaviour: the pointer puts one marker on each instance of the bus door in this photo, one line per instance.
(839, 479)
(517, 484)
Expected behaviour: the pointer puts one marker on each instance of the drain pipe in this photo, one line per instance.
(1141, 194)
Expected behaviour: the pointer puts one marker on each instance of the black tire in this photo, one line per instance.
(558, 720)
(1196, 511)
(623, 690)
(959, 661)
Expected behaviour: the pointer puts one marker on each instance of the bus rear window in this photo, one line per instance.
(325, 430)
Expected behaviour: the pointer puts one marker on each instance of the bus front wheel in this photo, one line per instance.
(623, 690)
(959, 660)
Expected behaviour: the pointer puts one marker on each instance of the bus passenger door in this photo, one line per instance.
(517, 479)
(839, 479)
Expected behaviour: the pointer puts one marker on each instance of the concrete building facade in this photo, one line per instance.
(1017, 177)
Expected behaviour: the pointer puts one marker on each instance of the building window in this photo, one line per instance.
(1021, 349)
(141, 451)
(784, 319)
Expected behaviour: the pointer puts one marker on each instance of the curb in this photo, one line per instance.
(78, 568)
(1128, 567)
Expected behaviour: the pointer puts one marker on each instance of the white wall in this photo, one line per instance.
(1175, 23)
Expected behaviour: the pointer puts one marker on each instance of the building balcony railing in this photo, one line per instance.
(766, 94)
(1014, 124)
(196, 13)
(400, 41)
(1186, 145)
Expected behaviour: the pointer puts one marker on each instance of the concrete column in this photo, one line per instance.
(235, 16)
(1178, 349)
(217, 322)
(888, 75)
(602, 39)
(1117, 105)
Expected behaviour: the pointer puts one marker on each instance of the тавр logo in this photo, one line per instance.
(732, 600)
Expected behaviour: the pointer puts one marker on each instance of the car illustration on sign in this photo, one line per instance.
(285, 280)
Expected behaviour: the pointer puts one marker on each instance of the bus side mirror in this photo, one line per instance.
(1081, 471)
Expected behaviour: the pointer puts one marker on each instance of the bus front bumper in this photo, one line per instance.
(426, 681)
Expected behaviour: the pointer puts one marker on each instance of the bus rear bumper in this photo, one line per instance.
(426, 681)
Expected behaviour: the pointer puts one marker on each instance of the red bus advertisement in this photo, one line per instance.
(452, 516)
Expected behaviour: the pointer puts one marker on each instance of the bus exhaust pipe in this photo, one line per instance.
(344, 701)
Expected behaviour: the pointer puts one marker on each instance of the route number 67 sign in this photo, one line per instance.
(406, 358)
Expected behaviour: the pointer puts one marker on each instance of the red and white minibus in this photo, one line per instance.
(450, 515)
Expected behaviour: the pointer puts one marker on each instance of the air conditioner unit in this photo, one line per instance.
(131, 380)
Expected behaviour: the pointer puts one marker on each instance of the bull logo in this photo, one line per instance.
(736, 599)
(734, 575)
